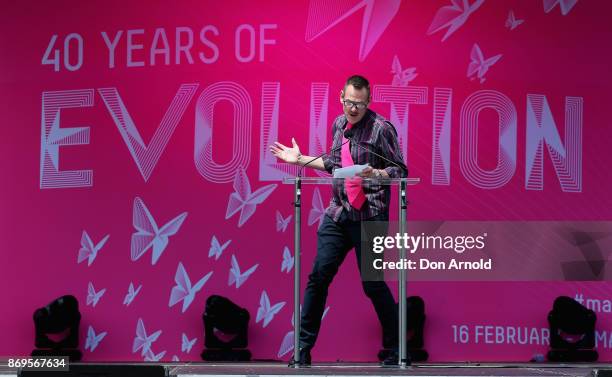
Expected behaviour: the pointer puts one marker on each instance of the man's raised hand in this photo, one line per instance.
(290, 155)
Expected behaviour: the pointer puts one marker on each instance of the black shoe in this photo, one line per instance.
(392, 360)
(305, 360)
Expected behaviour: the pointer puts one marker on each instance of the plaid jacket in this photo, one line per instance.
(376, 134)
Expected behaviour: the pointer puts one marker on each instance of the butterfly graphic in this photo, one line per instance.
(131, 295)
(512, 23)
(187, 344)
(325, 313)
(288, 260)
(266, 312)
(479, 65)
(317, 211)
(281, 223)
(401, 77)
(453, 16)
(88, 250)
(216, 248)
(287, 344)
(148, 234)
(565, 5)
(92, 296)
(183, 290)
(142, 341)
(175, 358)
(235, 276)
(243, 200)
(150, 356)
(93, 340)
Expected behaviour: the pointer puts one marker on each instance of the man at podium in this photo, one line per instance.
(360, 136)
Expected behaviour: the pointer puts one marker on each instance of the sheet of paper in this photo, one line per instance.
(349, 171)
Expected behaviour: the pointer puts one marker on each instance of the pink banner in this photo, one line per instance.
(135, 153)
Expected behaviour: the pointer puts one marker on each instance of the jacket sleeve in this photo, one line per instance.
(391, 150)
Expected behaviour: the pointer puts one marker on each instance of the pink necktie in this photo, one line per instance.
(354, 191)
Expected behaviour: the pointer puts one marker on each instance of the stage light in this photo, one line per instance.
(572, 332)
(225, 331)
(415, 331)
(60, 319)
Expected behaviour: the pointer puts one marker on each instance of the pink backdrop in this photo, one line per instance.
(104, 103)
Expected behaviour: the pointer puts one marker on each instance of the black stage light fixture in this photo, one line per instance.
(415, 331)
(225, 331)
(60, 319)
(572, 332)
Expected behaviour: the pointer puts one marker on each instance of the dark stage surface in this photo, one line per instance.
(350, 369)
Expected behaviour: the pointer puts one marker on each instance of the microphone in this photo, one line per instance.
(348, 134)
(321, 155)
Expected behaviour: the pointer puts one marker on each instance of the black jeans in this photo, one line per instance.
(334, 241)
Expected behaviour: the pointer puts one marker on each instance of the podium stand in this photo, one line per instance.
(402, 184)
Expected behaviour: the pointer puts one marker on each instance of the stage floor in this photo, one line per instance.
(372, 369)
(274, 369)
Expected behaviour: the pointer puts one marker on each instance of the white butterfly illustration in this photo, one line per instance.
(88, 250)
(150, 356)
(479, 65)
(92, 296)
(142, 341)
(148, 234)
(512, 23)
(235, 276)
(187, 344)
(401, 77)
(325, 313)
(216, 248)
(282, 223)
(93, 340)
(288, 260)
(318, 210)
(131, 295)
(183, 290)
(565, 5)
(243, 200)
(453, 16)
(175, 358)
(287, 344)
(266, 312)
(322, 316)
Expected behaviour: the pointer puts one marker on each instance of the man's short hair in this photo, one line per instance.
(358, 82)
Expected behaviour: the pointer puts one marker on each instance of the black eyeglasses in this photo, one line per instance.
(350, 104)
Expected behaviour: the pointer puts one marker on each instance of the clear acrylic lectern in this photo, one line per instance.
(402, 184)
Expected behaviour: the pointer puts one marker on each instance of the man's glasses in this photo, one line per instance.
(350, 104)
